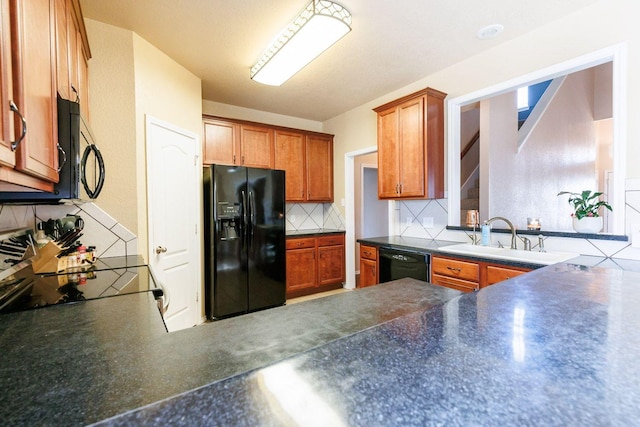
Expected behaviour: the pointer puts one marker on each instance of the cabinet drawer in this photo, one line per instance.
(455, 268)
(335, 239)
(450, 282)
(368, 252)
(301, 243)
(498, 274)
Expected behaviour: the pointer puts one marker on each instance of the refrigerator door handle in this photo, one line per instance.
(252, 207)
(244, 208)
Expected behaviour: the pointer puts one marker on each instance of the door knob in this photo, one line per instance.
(161, 250)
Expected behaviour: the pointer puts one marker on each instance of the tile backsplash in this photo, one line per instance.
(411, 223)
(100, 229)
(308, 216)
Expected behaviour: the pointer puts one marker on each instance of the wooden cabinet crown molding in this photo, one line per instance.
(427, 91)
(274, 127)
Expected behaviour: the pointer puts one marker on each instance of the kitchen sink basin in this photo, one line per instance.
(492, 252)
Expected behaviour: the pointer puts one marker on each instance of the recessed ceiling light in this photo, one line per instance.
(490, 31)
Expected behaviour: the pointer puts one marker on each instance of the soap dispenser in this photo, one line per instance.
(486, 234)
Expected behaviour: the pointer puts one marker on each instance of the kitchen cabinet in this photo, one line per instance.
(231, 143)
(411, 146)
(220, 140)
(319, 168)
(497, 273)
(315, 264)
(35, 85)
(307, 160)
(305, 156)
(7, 156)
(79, 55)
(35, 60)
(331, 268)
(301, 264)
(368, 266)
(256, 146)
(290, 156)
(466, 275)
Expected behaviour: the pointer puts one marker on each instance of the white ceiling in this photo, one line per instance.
(392, 43)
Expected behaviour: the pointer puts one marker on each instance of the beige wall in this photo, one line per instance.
(167, 91)
(112, 106)
(130, 79)
(603, 24)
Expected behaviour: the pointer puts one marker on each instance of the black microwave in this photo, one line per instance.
(81, 166)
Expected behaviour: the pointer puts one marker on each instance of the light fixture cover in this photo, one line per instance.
(315, 29)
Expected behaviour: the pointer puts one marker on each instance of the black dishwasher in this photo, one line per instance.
(397, 264)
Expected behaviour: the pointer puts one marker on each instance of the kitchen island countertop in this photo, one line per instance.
(555, 347)
(84, 362)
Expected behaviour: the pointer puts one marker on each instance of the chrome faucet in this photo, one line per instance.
(513, 229)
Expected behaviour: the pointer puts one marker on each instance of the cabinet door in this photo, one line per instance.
(256, 147)
(412, 147)
(35, 83)
(319, 165)
(7, 157)
(497, 274)
(368, 272)
(79, 58)
(453, 283)
(388, 154)
(301, 269)
(330, 264)
(220, 141)
(63, 58)
(290, 157)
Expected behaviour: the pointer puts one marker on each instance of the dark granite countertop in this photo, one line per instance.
(313, 232)
(82, 363)
(555, 347)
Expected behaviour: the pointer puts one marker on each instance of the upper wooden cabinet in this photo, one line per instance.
(306, 157)
(36, 61)
(220, 141)
(237, 144)
(411, 146)
(307, 160)
(319, 151)
(256, 146)
(290, 156)
(7, 156)
(35, 85)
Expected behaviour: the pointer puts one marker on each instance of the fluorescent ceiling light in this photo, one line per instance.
(315, 29)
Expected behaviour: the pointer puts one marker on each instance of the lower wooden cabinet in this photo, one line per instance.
(457, 274)
(315, 264)
(467, 276)
(368, 266)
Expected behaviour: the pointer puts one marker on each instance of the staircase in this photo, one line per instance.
(472, 201)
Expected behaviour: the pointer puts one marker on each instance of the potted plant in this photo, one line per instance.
(586, 206)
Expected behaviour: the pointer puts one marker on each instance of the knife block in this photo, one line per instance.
(46, 260)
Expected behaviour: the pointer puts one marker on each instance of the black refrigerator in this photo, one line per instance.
(244, 216)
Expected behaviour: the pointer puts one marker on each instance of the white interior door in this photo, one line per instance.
(173, 210)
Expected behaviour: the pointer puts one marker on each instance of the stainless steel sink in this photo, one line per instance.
(492, 252)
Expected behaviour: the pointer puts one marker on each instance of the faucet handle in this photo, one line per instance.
(527, 243)
(541, 243)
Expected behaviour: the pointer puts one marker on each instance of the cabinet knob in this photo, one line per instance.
(161, 250)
